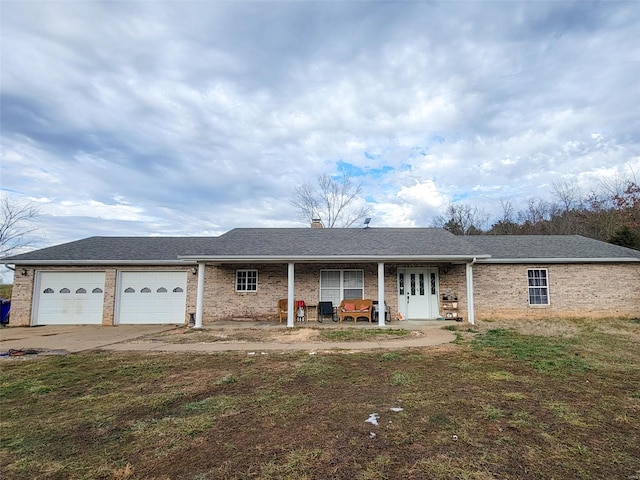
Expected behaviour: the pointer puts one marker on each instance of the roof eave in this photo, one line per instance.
(328, 258)
(561, 260)
(95, 262)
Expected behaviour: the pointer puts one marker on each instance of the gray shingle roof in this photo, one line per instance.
(339, 242)
(324, 244)
(115, 249)
(551, 247)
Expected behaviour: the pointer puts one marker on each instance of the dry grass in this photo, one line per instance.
(510, 400)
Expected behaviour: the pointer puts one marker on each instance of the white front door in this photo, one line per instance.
(418, 293)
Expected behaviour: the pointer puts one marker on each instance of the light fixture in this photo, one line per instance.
(24, 272)
(194, 270)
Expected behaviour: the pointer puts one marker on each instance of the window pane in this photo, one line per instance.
(352, 293)
(413, 283)
(352, 279)
(538, 287)
(330, 295)
(401, 282)
(246, 280)
(421, 276)
(336, 285)
(329, 279)
(330, 286)
(433, 283)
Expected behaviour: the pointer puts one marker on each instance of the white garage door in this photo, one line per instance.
(69, 298)
(152, 297)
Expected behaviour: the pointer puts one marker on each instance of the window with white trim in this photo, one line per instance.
(538, 281)
(336, 285)
(246, 280)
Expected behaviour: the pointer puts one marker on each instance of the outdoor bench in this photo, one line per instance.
(355, 308)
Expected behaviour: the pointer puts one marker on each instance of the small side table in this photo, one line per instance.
(309, 309)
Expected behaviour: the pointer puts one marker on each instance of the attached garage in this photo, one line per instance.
(69, 298)
(151, 297)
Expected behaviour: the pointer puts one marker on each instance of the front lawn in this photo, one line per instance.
(510, 400)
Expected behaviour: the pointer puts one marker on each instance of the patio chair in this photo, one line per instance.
(282, 309)
(325, 309)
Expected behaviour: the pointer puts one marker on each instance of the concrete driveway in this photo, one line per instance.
(78, 338)
(73, 338)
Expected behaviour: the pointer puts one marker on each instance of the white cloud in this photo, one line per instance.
(180, 118)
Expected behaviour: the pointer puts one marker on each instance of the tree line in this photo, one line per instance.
(610, 212)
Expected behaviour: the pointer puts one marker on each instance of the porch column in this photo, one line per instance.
(470, 293)
(290, 295)
(382, 310)
(200, 295)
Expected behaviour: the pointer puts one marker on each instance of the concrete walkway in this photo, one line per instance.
(125, 338)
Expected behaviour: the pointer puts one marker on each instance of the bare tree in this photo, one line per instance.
(462, 219)
(567, 194)
(333, 200)
(16, 225)
(506, 224)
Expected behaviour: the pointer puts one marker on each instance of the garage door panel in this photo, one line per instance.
(66, 298)
(152, 297)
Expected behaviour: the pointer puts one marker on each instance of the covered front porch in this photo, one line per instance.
(412, 291)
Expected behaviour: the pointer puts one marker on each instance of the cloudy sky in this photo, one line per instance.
(195, 117)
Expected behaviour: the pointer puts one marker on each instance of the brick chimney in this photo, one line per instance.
(316, 223)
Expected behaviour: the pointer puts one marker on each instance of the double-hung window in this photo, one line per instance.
(246, 280)
(336, 285)
(538, 286)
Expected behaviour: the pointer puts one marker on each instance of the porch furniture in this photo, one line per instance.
(300, 311)
(299, 307)
(282, 309)
(387, 311)
(325, 309)
(355, 308)
(311, 312)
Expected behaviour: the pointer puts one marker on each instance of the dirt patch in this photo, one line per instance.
(184, 335)
(299, 336)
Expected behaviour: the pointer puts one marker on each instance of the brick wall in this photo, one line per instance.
(21, 298)
(221, 301)
(575, 290)
(501, 291)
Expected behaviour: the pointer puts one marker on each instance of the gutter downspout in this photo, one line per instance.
(470, 310)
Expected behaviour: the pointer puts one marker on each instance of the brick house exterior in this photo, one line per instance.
(413, 270)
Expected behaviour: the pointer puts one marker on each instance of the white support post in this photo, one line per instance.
(470, 311)
(382, 308)
(290, 295)
(200, 295)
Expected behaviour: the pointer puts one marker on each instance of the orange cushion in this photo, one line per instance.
(349, 307)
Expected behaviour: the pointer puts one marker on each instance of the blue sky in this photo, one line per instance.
(192, 118)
